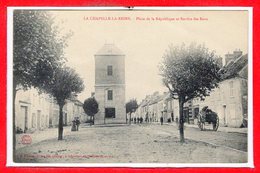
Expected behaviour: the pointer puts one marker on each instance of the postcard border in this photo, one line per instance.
(250, 163)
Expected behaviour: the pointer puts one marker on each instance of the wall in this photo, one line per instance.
(226, 102)
(116, 82)
(32, 110)
(118, 103)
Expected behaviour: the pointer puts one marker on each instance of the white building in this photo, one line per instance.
(31, 110)
(34, 111)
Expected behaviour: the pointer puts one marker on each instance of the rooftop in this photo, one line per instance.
(234, 67)
(109, 49)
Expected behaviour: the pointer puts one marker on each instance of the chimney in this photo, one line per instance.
(237, 53)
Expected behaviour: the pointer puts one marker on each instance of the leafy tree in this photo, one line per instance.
(189, 72)
(90, 107)
(131, 107)
(37, 49)
(65, 84)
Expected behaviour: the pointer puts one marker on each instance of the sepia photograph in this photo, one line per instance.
(131, 87)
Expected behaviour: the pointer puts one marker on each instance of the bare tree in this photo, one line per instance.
(189, 72)
(65, 84)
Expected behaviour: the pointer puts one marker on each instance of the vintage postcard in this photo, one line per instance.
(130, 87)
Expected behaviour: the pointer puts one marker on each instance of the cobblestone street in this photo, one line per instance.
(146, 143)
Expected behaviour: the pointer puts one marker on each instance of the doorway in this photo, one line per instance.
(110, 112)
(24, 112)
(38, 119)
(225, 115)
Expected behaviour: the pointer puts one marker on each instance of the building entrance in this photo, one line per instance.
(110, 112)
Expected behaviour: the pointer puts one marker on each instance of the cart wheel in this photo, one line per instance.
(215, 126)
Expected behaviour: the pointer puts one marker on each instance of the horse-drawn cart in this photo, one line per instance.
(209, 117)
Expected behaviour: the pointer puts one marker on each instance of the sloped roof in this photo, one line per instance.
(146, 102)
(233, 68)
(109, 49)
(155, 99)
(76, 101)
(158, 98)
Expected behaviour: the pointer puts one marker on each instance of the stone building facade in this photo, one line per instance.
(31, 110)
(73, 108)
(35, 111)
(110, 85)
(230, 99)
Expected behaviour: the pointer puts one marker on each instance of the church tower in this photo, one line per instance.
(110, 85)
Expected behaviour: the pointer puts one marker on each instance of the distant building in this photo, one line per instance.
(110, 85)
(232, 56)
(154, 106)
(229, 100)
(74, 108)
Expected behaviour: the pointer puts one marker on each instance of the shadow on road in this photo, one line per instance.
(86, 125)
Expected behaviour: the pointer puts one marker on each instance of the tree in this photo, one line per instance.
(131, 107)
(37, 49)
(65, 84)
(189, 72)
(90, 107)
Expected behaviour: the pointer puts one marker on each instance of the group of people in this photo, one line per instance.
(137, 120)
(140, 120)
(75, 124)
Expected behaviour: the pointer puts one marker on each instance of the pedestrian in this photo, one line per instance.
(172, 116)
(161, 120)
(73, 127)
(77, 123)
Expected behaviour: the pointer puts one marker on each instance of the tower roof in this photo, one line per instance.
(109, 49)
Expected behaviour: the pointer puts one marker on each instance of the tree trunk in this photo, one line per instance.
(130, 118)
(14, 127)
(93, 120)
(181, 121)
(188, 117)
(60, 128)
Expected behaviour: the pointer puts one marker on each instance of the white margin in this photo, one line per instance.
(10, 162)
(250, 147)
(9, 87)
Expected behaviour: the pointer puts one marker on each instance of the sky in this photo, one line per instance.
(144, 36)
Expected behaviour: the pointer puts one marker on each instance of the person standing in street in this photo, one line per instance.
(77, 123)
(161, 120)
